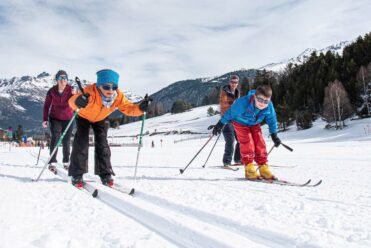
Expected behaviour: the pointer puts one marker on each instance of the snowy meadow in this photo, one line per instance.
(204, 207)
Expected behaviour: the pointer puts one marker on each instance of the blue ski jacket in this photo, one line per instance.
(244, 112)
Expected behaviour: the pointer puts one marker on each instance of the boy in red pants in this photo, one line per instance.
(246, 115)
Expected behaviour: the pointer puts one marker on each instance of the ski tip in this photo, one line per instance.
(132, 191)
(319, 182)
(95, 193)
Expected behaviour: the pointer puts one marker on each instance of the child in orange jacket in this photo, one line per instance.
(96, 104)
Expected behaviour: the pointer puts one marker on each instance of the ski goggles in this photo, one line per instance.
(109, 87)
(62, 77)
(261, 100)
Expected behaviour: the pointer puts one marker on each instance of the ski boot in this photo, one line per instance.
(53, 168)
(66, 165)
(250, 172)
(226, 164)
(265, 173)
(106, 179)
(77, 181)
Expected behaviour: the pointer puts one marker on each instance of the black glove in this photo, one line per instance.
(145, 103)
(82, 100)
(217, 129)
(275, 139)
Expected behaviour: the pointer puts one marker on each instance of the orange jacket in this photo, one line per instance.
(95, 111)
(227, 98)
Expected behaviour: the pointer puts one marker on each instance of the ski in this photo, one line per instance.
(229, 168)
(87, 188)
(316, 184)
(283, 166)
(284, 182)
(129, 191)
(237, 164)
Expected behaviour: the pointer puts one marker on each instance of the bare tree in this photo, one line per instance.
(362, 87)
(336, 105)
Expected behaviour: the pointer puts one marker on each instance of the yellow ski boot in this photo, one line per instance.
(265, 173)
(250, 172)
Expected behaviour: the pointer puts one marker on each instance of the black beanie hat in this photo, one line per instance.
(60, 72)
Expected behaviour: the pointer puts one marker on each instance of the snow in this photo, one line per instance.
(302, 57)
(204, 207)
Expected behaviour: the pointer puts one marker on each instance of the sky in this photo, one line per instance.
(152, 44)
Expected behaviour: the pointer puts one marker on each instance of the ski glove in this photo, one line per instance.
(82, 100)
(275, 139)
(217, 129)
(145, 103)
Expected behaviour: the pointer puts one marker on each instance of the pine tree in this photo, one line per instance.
(180, 106)
(245, 86)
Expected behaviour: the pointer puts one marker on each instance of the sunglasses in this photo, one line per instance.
(62, 78)
(261, 100)
(109, 87)
(233, 82)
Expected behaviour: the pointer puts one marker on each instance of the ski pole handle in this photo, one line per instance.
(77, 80)
(287, 147)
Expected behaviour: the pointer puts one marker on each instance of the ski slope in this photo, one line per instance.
(204, 207)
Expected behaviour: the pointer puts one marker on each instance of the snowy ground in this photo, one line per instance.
(203, 207)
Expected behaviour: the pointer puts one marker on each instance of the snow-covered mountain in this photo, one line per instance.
(193, 91)
(22, 99)
(302, 57)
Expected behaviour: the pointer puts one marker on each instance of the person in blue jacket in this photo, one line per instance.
(246, 114)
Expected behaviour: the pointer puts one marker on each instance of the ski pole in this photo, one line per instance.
(182, 170)
(287, 147)
(57, 145)
(271, 150)
(147, 98)
(212, 149)
(38, 156)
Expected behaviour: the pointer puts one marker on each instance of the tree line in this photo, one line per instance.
(329, 85)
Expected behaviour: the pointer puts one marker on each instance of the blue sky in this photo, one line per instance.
(154, 43)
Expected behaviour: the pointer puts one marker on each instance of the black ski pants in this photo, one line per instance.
(229, 148)
(57, 127)
(80, 148)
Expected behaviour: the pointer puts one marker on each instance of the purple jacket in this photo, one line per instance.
(58, 105)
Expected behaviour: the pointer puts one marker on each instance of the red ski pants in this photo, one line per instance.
(252, 144)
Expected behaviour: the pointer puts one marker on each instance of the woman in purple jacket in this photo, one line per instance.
(57, 114)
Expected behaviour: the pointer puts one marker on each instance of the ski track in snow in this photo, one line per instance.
(184, 228)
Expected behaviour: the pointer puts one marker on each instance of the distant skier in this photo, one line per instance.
(153, 144)
(228, 95)
(96, 104)
(57, 114)
(246, 114)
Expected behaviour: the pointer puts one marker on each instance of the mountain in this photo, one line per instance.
(302, 57)
(194, 90)
(22, 99)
